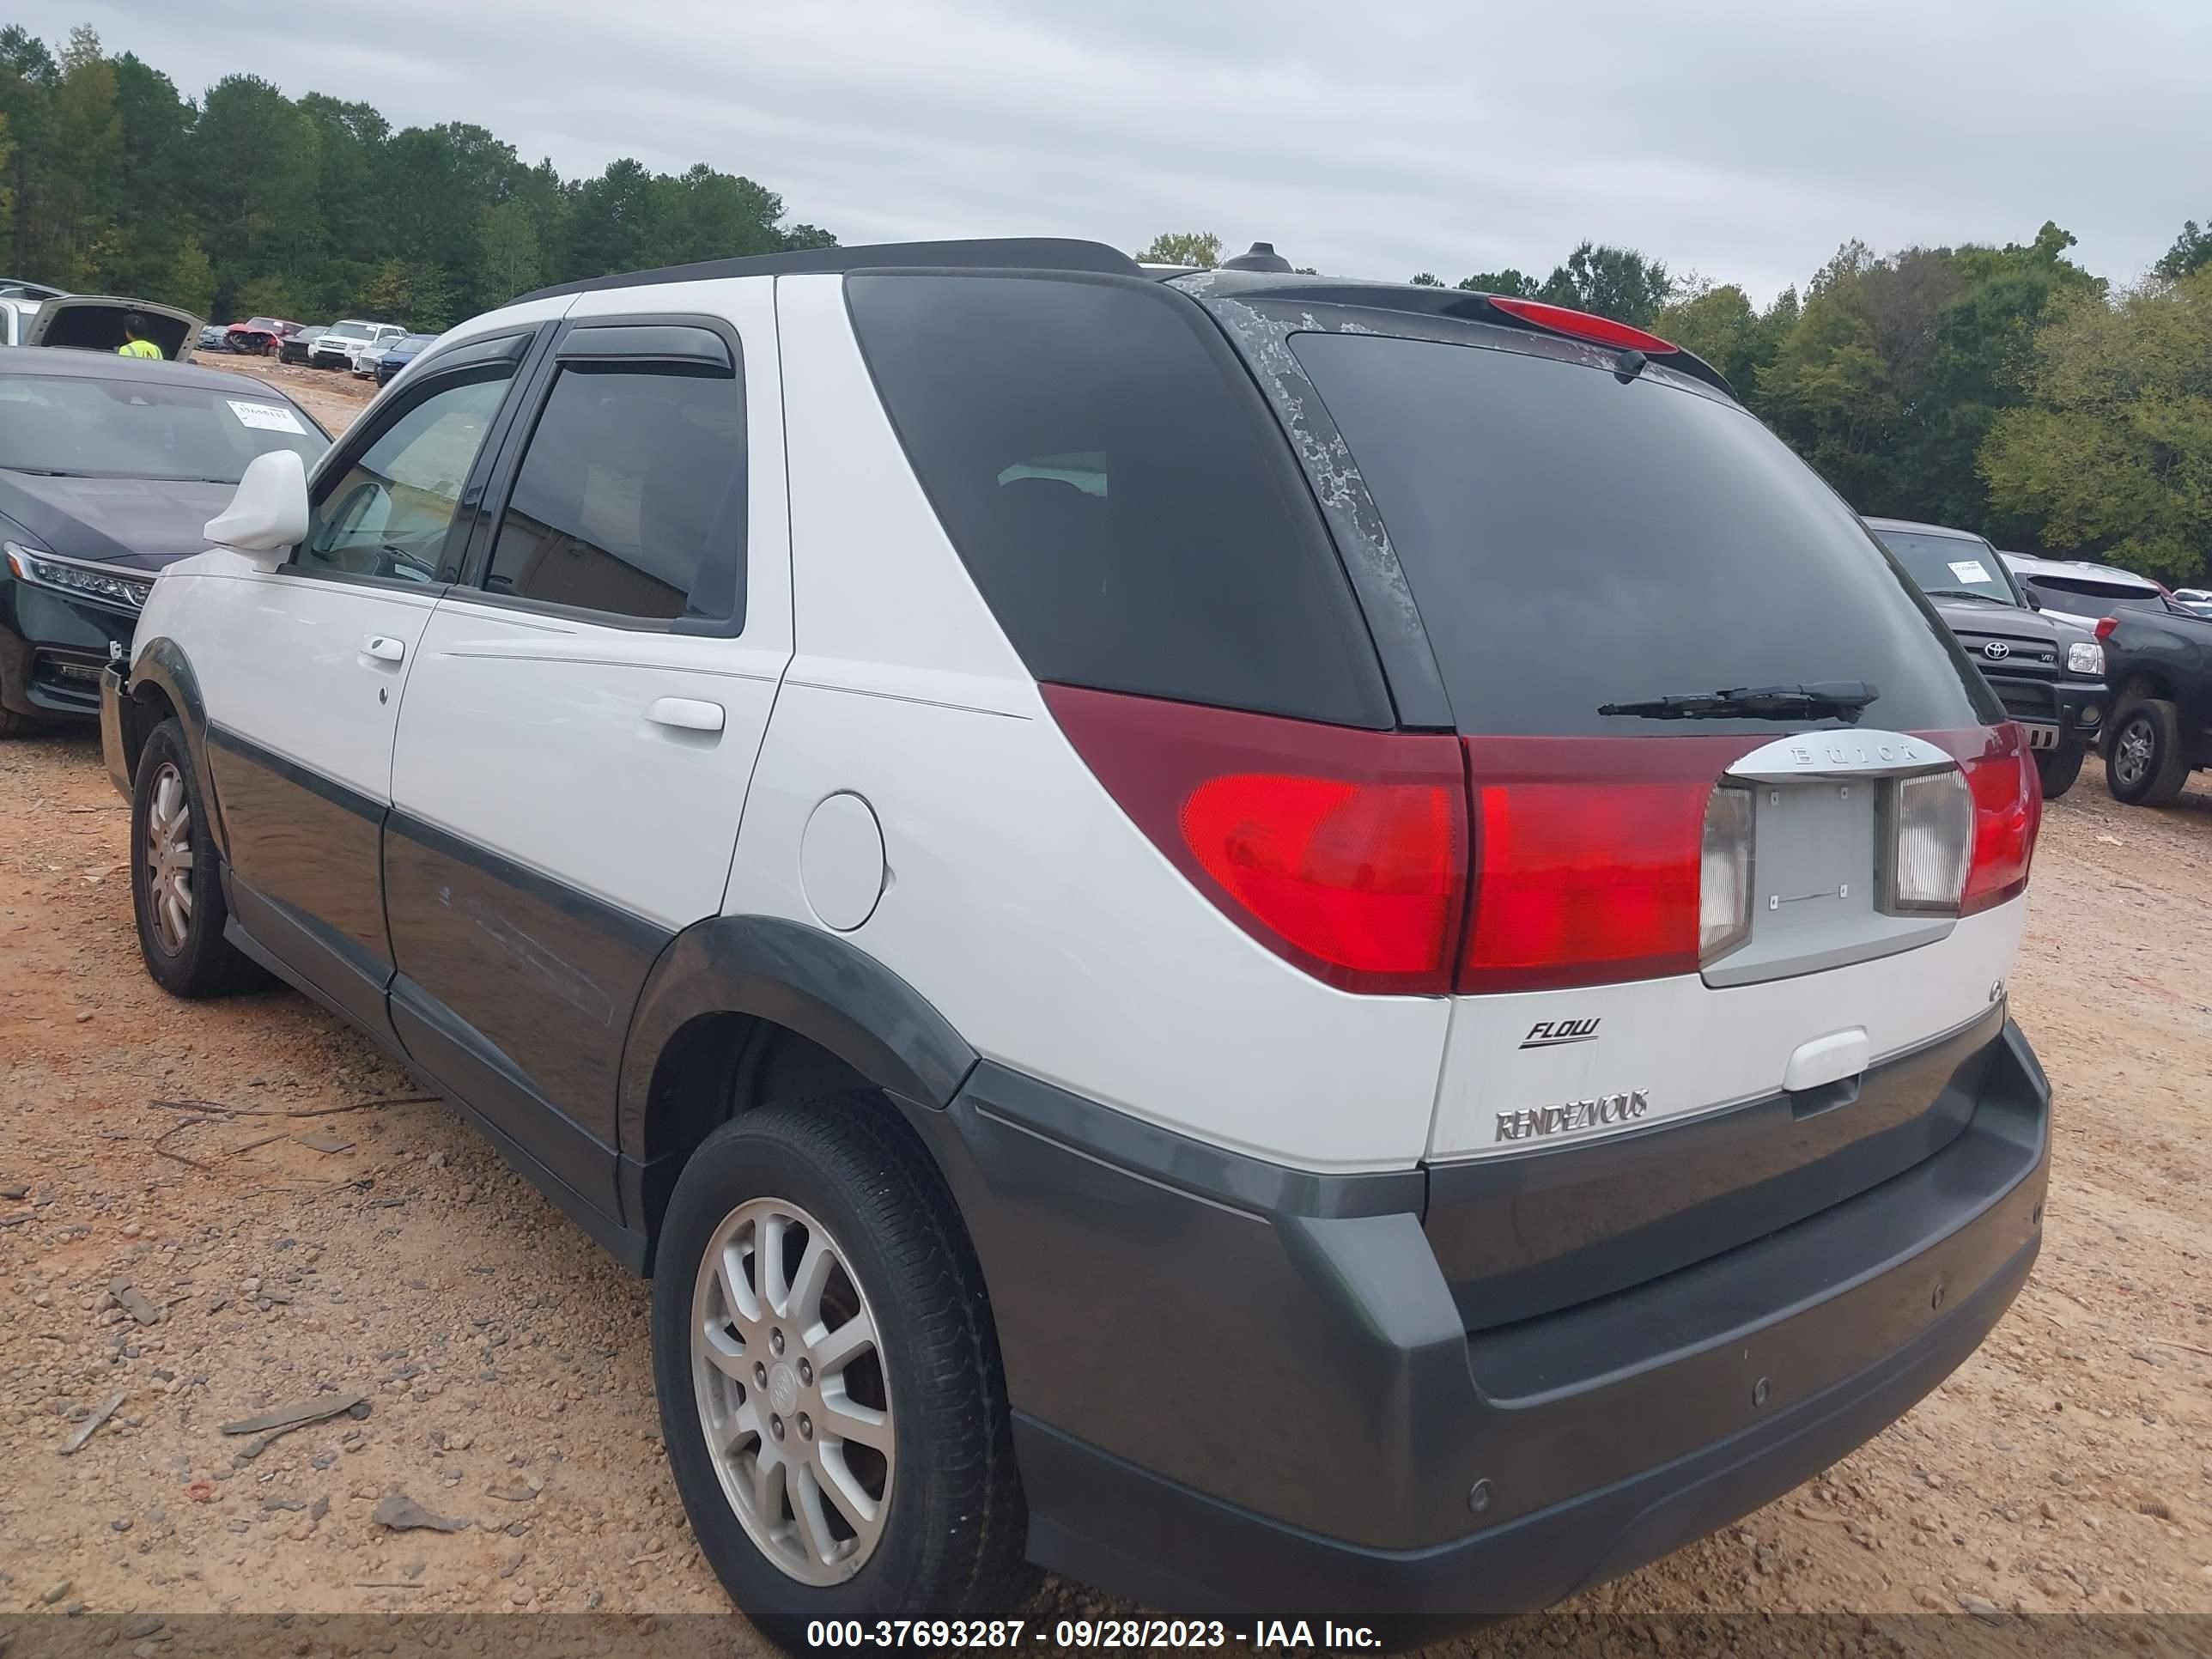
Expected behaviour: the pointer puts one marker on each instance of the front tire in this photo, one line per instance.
(2147, 765)
(830, 1391)
(2058, 768)
(176, 882)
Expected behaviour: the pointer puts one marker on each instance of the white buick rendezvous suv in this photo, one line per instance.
(1278, 942)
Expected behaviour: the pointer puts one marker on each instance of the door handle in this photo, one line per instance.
(383, 647)
(685, 714)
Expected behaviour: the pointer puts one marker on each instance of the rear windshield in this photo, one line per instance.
(1118, 491)
(1572, 541)
(1949, 565)
(100, 427)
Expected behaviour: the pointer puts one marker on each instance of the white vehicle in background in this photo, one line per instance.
(2078, 590)
(342, 345)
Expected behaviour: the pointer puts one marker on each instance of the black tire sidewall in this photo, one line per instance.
(2157, 784)
(737, 1163)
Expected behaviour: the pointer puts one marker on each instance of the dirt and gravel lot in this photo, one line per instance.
(214, 1210)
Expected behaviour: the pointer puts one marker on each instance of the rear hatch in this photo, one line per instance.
(93, 322)
(1728, 960)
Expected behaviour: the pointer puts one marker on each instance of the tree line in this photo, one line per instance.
(245, 201)
(2003, 389)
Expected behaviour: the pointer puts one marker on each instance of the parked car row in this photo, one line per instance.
(2047, 671)
(354, 345)
(2082, 655)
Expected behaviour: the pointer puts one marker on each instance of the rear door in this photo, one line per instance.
(1695, 942)
(585, 711)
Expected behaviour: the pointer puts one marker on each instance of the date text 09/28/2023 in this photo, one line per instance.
(1071, 1634)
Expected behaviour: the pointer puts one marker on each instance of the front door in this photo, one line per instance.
(585, 713)
(304, 680)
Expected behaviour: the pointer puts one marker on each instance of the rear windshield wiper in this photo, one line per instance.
(1845, 700)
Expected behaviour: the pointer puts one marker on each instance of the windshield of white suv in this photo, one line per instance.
(346, 332)
(1952, 566)
(110, 428)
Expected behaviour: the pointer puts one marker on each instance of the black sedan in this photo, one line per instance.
(109, 467)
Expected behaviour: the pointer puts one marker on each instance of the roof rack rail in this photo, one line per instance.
(981, 254)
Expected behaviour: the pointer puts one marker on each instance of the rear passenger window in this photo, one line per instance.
(1117, 489)
(630, 500)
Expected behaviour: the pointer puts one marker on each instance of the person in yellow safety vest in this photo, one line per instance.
(135, 344)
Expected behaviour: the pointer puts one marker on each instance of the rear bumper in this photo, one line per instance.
(1315, 1423)
(1173, 1547)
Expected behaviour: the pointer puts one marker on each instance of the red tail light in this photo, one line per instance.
(1588, 855)
(2104, 627)
(1345, 852)
(1349, 853)
(1581, 324)
(2008, 793)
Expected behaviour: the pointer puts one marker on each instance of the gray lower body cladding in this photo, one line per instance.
(1239, 1389)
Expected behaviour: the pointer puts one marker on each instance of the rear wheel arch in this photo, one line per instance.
(744, 1010)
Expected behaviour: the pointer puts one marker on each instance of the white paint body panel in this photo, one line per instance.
(280, 658)
(529, 732)
(1694, 1049)
(1021, 900)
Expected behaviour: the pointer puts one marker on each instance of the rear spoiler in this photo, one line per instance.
(93, 322)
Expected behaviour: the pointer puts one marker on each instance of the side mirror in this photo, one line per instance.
(269, 512)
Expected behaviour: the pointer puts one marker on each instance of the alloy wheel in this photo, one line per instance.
(2131, 754)
(792, 1391)
(170, 858)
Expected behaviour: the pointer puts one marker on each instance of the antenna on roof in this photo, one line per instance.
(1260, 257)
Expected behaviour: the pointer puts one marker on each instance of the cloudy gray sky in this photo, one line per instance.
(1742, 139)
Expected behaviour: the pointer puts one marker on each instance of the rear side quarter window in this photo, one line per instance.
(1118, 490)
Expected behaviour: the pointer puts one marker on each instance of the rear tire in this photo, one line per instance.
(2058, 768)
(2147, 765)
(941, 1523)
(176, 877)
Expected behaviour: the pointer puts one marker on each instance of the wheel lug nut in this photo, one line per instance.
(806, 1426)
(775, 1342)
(775, 1427)
(806, 1372)
(760, 1374)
